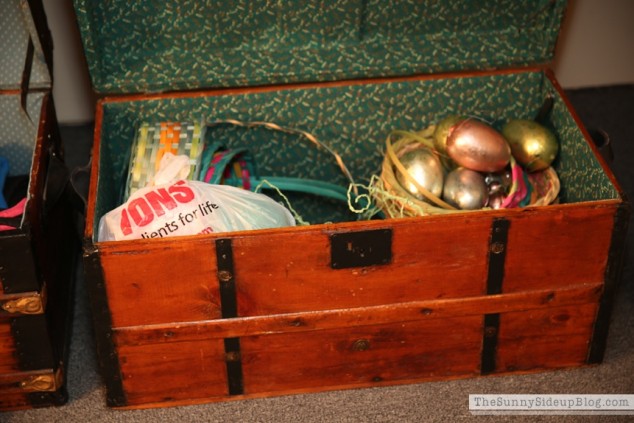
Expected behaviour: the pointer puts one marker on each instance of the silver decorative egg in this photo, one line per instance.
(425, 168)
(477, 146)
(496, 200)
(465, 189)
(500, 181)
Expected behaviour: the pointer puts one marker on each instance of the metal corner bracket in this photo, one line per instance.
(31, 303)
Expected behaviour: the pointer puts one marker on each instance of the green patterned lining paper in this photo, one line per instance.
(353, 120)
(16, 25)
(18, 131)
(18, 127)
(152, 45)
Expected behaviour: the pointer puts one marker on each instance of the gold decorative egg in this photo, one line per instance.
(442, 132)
(533, 145)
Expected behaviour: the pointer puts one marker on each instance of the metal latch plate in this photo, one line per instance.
(360, 249)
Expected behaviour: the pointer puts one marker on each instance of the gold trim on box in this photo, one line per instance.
(25, 304)
(50, 382)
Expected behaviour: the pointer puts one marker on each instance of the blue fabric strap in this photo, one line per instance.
(4, 171)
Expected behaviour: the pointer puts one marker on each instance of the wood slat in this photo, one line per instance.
(545, 338)
(332, 319)
(552, 248)
(176, 280)
(8, 361)
(14, 401)
(161, 282)
(282, 275)
(173, 371)
(356, 356)
(362, 356)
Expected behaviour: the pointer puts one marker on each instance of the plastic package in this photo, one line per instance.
(183, 207)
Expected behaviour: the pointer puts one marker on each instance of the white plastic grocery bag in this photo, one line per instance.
(182, 207)
(189, 208)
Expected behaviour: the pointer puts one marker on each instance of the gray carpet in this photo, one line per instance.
(608, 108)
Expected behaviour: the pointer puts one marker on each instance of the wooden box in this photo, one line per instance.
(341, 303)
(39, 246)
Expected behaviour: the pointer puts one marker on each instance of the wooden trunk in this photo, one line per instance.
(344, 303)
(38, 257)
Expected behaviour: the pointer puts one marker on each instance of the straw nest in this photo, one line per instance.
(536, 189)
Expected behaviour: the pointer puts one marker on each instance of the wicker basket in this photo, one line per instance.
(534, 189)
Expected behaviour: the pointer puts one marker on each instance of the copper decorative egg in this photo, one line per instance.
(465, 189)
(477, 146)
(425, 168)
(533, 145)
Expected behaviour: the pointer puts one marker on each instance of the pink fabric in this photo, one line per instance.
(14, 211)
(514, 199)
(246, 177)
(210, 171)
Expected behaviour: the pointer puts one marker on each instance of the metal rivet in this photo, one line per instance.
(296, 322)
(232, 356)
(225, 275)
(361, 345)
(497, 247)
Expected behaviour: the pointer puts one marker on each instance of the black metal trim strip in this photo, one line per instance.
(497, 255)
(224, 257)
(229, 309)
(18, 271)
(26, 76)
(33, 344)
(489, 343)
(102, 322)
(34, 351)
(495, 278)
(613, 271)
(43, 32)
(234, 366)
(42, 399)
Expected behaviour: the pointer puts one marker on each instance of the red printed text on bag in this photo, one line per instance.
(142, 210)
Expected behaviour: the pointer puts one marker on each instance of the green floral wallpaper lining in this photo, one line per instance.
(353, 120)
(152, 45)
(16, 25)
(18, 131)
